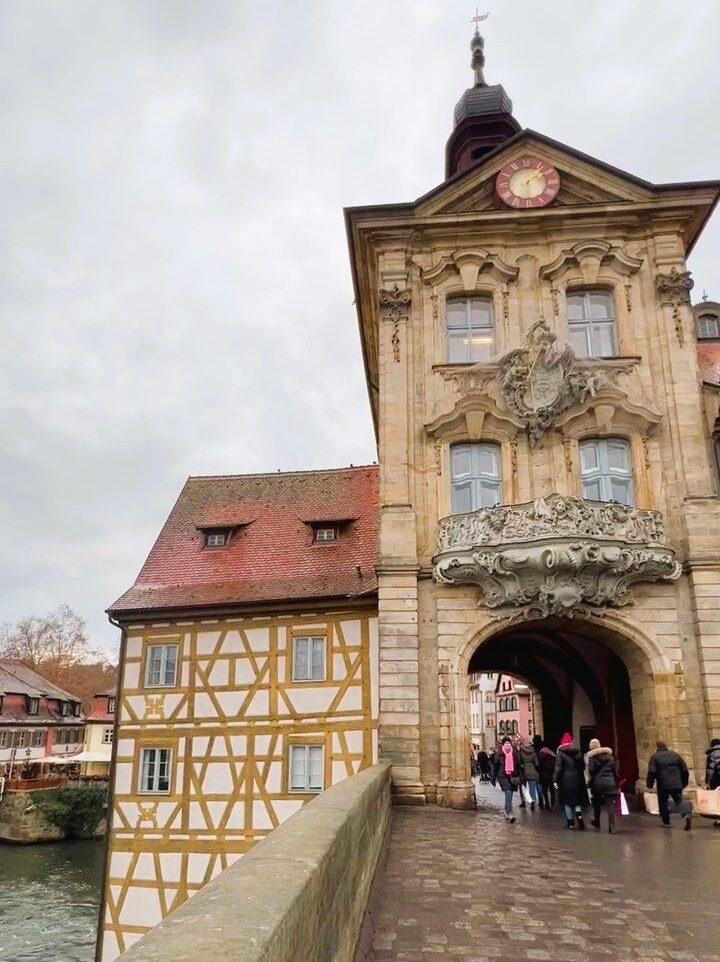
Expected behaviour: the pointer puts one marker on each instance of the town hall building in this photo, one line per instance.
(545, 505)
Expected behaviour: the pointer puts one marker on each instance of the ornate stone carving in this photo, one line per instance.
(395, 304)
(674, 289)
(555, 555)
(540, 381)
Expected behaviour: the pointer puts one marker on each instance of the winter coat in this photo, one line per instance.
(669, 770)
(602, 772)
(546, 765)
(500, 776)
(569, 776)
(529, 763)
(712, 767)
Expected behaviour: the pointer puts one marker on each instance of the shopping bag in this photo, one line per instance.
(527, 797)
(624, 810)
(708, 801)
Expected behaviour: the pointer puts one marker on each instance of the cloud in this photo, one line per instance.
(174, 283)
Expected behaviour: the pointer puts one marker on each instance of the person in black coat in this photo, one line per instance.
(546, 768)
(506, 774)
(712, 764)
(669, 771)
(569, 776)
(603, 780)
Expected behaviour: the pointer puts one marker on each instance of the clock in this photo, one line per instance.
(527, 182)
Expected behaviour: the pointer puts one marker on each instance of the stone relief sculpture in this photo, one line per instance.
(554, 556)
(540, 380)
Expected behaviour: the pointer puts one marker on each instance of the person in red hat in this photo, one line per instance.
(569, 777)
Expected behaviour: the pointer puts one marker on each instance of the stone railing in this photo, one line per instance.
(556, 555)
(299, 894)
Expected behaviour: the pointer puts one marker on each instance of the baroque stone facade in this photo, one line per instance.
(624, 599)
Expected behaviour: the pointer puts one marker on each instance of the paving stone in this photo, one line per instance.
(468, 887)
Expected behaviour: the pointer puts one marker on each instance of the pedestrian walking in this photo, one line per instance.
(546, 770)
(712, 764)
(669, 771)
(569, 776)
(603, 782)
(530, 773)
(506, 774)
(484, 765)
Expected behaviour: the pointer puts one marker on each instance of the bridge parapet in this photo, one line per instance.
(300, 893)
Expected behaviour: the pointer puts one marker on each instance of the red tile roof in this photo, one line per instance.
(709, 360)
(271, 555)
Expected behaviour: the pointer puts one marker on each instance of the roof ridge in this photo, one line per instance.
(279, 474)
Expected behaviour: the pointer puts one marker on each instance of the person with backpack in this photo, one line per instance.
(712, 765)
(506, 774)
(603, 783)
(569, 776)
(668, 770)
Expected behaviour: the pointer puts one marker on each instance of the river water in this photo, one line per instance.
(49, 897)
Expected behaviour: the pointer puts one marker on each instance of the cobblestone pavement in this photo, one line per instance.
(468, 887)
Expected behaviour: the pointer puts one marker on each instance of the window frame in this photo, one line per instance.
(324, 529)
(33, 705)
(163, 664)
(307, 637)
(111, 705)
(588, 324)
(451, 333)
(107, 736)
(307, 788)
(212, 533)
(37, 738)
(708, 337)
(154, 789)
(604, 475)
(479, 481)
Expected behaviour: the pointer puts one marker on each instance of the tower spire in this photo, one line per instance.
(477, 46)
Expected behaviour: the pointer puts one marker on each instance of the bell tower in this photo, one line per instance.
(483, 116)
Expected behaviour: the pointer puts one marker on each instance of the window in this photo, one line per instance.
(64, 708)
(161, 667)
(111, 706)
(605, 470)
(216, 539)
(155, 770)
(323, 535)
(69, 736)
(591, 323)
(514, 728)
(37, 739)
(513, 704)
(107, 736)
(470, 329)
(306, 768)
(32, 705)
(21, 739)
(708, 326)
(5, 739)
(475, 476)
(309, 658)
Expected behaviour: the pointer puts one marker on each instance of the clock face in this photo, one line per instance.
(527, 182)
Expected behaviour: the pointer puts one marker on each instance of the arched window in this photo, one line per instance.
(501, 728)
(605, 470)
(591, 323)
(470, 329)
(475, 476)
(513, 704)
(515, 728)
(708, 327)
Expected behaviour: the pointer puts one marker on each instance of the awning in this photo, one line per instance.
(80, 757)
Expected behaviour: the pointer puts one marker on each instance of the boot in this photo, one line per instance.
(595, 823)
(611, 825)
(580, 823)
(570, 823)
(532, 806)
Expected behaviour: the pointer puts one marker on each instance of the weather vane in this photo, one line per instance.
(478, 18)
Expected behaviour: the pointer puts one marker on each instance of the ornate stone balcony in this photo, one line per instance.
(556, 555)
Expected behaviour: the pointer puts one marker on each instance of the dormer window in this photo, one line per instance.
(64, 708)
(111, 706)
(218, 538)
(322, 535)
(33, 705)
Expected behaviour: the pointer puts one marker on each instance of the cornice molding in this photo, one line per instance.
(589, 256)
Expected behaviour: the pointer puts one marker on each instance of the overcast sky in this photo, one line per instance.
(174, 285)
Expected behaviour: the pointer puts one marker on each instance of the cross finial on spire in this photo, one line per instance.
(478, 55)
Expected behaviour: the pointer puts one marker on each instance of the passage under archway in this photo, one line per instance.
(583, 681)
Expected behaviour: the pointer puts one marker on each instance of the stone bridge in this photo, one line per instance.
(351, 879)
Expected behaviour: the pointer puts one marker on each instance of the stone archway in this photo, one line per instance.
(602, 655)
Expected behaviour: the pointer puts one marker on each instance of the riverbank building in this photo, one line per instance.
(545, 400)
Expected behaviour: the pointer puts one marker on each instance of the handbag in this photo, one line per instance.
(621, 805)
(526, 794)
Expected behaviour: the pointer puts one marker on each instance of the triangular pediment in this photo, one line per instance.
(584, 181)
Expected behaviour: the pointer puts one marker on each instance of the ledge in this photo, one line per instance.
(299, 894)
